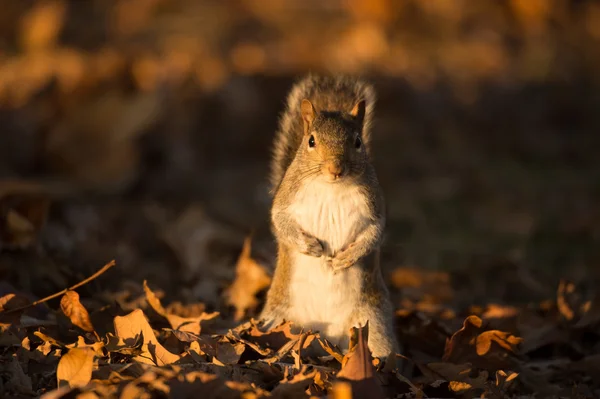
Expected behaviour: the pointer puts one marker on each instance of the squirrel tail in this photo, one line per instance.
(326, 93)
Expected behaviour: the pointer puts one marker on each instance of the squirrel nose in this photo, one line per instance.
(336, 169)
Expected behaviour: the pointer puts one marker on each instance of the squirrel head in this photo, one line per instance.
(332, 143)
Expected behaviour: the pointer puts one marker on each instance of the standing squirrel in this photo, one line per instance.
(328, 216)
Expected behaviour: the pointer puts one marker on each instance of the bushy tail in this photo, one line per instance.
(327, 94)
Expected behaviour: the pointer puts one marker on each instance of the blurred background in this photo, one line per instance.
(141, 130)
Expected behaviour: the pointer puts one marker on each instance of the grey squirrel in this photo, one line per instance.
(328, 216)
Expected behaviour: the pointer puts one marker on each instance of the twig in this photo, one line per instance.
(79, 284)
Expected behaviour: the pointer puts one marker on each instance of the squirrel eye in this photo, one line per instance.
(358, 142)
(311, 141)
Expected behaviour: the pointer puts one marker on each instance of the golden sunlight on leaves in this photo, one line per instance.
(357, 366)
(75, 311)
(486, 349)
(506, 340)
(134, 325)
(251, 278)
(75, 367)
(184, 324)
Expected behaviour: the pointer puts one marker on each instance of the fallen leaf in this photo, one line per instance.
(96, 347)
(295, 386)
(75, 367)
(9, 302)
(457, 386)
(484, 349)
(229, 353)
(129, 327)
(357, 366)
(274, 338)
(190, 324)
(506, 340)
(185, 324)
(153, 300)
(250, 279)
(75, 311)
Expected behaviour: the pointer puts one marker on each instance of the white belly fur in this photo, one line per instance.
(322, 300)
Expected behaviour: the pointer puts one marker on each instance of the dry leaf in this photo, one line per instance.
(75, 367)
(96, 346)
(295, 386)
(185, 324)
(457, 386)
(471, 344)
(358, 366)
(274, 338)
(129, 327)
(190, 324)
(75, 311)
(251, 278)
(153, 300)
(506, 340)
(229, 353)
(10, 302)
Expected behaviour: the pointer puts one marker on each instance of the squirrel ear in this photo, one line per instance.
(308, 114)
(359, 111)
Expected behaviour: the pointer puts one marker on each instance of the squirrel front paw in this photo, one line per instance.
(310, 245)
(343, 260)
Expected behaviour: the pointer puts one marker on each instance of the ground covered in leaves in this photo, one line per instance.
(133, 346)
(140, 131)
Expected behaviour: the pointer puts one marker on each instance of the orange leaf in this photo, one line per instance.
(75, 367)
(251, 278)
(130, 327)
(75, 311)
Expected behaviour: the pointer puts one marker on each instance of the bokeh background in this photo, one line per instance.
(141, 130)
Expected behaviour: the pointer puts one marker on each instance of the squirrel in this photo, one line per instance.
(328, 216)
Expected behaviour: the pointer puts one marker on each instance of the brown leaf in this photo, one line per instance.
(457, 386)
(331, 349)
(9, 302)
(185, 324)
(295, 386)
(96, 347)
(274, 338)
(358, 366)
(190, 324)
(485, 349)
(455, 372)
(153, 300)
(251, 278)
(75, 367)
(75, 311)
(228, 353)
(129, 328)
(506, 340)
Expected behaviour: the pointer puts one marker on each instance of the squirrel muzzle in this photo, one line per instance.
(334, 169)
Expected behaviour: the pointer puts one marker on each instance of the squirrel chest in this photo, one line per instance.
(335, 213)
(321, 299)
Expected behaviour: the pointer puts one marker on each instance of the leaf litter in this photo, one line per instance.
(168, 351)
